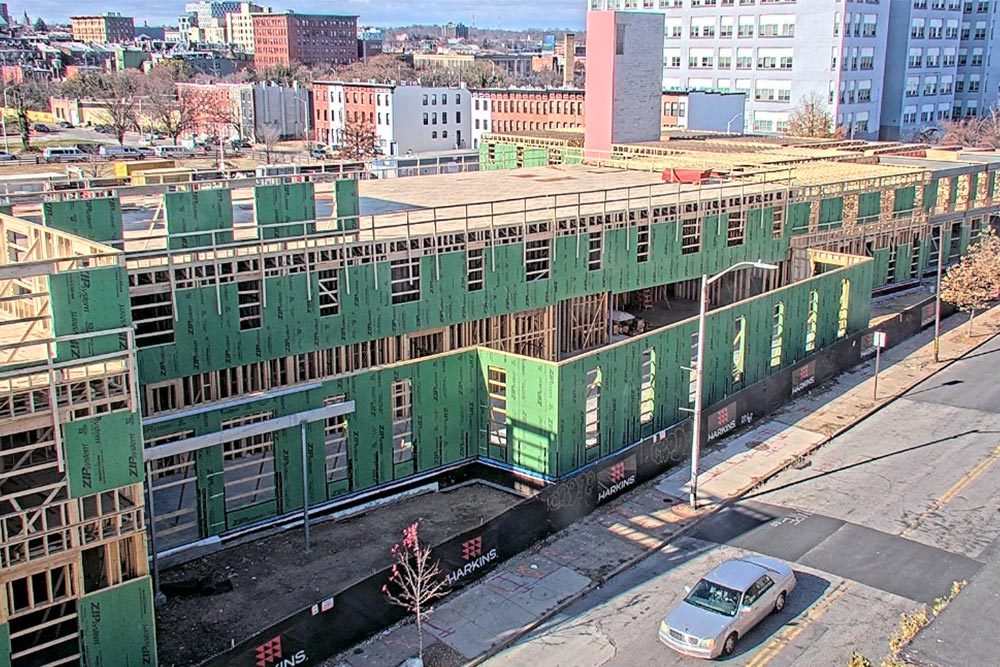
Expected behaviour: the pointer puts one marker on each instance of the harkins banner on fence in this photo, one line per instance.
(615, 478)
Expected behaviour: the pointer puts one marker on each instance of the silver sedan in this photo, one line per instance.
(726, 604)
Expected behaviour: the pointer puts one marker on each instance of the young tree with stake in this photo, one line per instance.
(975, 281)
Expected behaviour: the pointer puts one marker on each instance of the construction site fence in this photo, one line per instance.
(346, 617)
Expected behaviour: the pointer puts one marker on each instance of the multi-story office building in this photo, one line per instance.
(778, 53)
(103, 28)
(977, 81)
(920, 80)
(309, 39)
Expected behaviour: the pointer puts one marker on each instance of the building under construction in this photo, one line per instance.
(185, 363)
(201, 338)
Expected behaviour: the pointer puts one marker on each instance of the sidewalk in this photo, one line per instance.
(522, 593)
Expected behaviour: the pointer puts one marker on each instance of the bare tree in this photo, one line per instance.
(975, 281)
(415, 581)
(981, 132)
(117, 95)
(269, 136)
(29, 95)
(811, 119)
(170, 111)
(359, 141)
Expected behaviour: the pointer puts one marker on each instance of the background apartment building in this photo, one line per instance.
(239, 25)
(778, 52)
(405, 118)
(946, 71)
(105, 28)
(309, 39)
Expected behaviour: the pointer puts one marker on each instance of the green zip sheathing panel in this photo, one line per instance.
(881, 257)
(798, 217)
(103, 452)
(4, 645)
(620, 364)
(905, 199)
(831, 213)
(869, 204)
(94, 219)
(346, 202)
(284, 203)
(117, 626)
(89, 301)
(447, 401)
(904, 259)
(208, 210)
(931, 194)
(207, 336)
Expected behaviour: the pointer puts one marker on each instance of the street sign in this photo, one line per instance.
(878, 339)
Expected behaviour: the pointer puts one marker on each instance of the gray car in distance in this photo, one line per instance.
(726, 604)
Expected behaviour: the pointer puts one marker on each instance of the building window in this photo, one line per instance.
(812, 321)
(595, 253)
(739, 349)
(335, 442)
(777, 334)
(248, 465)
(537, 260)
(647, 391)
(402, 421)
(475, 263)
(642, 244)
(844, 307)
(405, 280)
(736, 233)
(329, 292)
(592, 415)
(496, 386)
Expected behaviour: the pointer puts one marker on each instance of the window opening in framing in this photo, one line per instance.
(777, 334)
(474, 266)
(592, 419)
(248, 465)
(249, 295)
(174, 483)
(890, 265)
(975, 230)
(402, 420)
(955, 245)
(329, 292)
(496, 385)
(424, 345)
(642, 245)
(737, 228)
(844, 306)
(647, 392)
(739, 348)
(335, 442)
(777, 221)
(812, 321)
(537, 260)
(153, 315)
(690, 236)
(915, 257)
(595, 252)
(405, 280)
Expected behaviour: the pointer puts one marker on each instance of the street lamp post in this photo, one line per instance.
(699, 368)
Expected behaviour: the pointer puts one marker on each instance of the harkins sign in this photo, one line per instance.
(616, 478)
(474, 557)
(269, 654)
(803, 377)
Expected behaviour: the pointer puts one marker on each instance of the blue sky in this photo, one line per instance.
(513, 14)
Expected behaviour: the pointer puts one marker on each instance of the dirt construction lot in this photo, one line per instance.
(273, 578)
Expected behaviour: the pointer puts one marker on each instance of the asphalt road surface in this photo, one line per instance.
(880, 522)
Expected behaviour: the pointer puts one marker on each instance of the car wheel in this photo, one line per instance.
(730, 645)
(779, 604)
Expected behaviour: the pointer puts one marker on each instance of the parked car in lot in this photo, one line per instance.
(173, 151)
(726, 604)
(40, 127)
(64, 155)
(119, 153)
(64, 124)
(146, 151)
(240, 143)
(89, 149)
(7, 157)
(104, 129)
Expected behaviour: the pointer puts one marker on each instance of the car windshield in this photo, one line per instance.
(714, 597)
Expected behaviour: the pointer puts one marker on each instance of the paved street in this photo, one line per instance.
(878, 522)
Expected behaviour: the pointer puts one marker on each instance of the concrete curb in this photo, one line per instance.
(714, 509)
